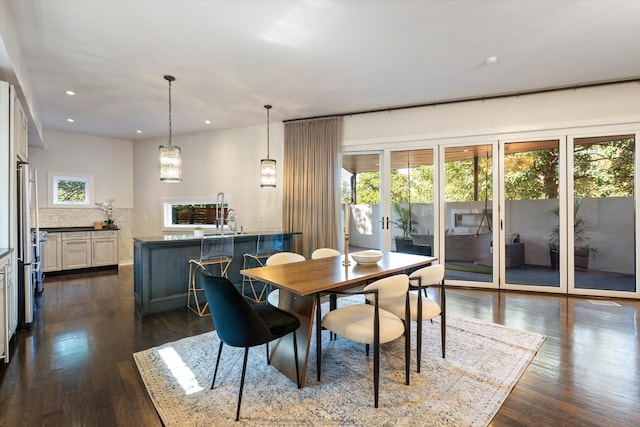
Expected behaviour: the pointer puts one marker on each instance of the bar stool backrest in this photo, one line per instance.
(216, 247)
(269, 244)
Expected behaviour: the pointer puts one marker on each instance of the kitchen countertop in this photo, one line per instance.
(72, 229)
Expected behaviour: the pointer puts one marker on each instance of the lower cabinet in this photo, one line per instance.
(51, 253)
(104, 248)
(82, 249)
(76, 250)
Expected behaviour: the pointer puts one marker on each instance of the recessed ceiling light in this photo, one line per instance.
(208, 122)
(70, 120)
(491, 60)
(70, 92)
(138, 131)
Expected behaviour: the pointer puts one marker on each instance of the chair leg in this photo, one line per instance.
(443, 320)
(376, 371)
(268, 359)
(333, 304)
(295, 357)
(407, 347)
(215, 371)
(419, 332)
(318, 337)
(244, 370)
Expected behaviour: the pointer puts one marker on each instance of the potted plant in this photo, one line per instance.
(107, 208)
(405, 223)
(582, 249)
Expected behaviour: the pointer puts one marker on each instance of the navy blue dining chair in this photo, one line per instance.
(240, 324)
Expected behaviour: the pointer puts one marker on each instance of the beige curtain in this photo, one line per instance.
(311, 183)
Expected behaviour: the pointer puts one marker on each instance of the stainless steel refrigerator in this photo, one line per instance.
(25, 252)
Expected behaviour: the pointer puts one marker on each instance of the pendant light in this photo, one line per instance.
(267, 166)
(170, 157)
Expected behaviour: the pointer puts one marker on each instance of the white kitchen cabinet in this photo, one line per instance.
(104, 248)
(76, 250)
(51, 253)
(4, 308)
(20, 129)
(79, 249)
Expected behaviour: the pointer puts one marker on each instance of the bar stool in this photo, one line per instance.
(216, 254)
(266, 245)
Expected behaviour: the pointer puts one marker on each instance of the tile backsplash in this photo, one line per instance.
(79, 217)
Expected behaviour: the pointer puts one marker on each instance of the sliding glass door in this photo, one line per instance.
(530, 181)
(553, 214)
(603, 236)
(361, 187)
(412, 201)
(467, 230)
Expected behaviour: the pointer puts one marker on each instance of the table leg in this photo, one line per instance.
(281, 350)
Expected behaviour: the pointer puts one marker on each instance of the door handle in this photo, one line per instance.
(383, 222)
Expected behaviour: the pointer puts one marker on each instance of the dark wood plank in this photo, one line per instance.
(282, 355)
(76, 367)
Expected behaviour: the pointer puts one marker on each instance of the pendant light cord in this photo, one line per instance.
(268, 107)
(169, 79)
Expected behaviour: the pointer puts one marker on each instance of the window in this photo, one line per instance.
(67, 190)
(189, 213)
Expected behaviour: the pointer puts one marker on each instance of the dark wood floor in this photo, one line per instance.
(76, 367)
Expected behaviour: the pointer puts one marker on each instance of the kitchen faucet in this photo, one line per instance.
(231, 216)
(219, 203)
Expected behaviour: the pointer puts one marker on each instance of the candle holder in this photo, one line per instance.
(347, 261)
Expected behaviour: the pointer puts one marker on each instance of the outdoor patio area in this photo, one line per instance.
(542, 276)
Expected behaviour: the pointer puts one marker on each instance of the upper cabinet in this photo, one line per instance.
(20, 129)
(6, 161)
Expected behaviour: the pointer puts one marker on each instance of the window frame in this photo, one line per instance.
(167, 217)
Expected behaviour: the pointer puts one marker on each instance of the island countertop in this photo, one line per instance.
(161, 266)
(190, 236)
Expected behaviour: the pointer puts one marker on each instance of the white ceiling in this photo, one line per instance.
(307, 58)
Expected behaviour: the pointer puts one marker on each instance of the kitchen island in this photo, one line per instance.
(161, 267)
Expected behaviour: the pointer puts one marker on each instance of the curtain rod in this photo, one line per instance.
(482, 98)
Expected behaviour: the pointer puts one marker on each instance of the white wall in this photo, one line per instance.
(611, 104)
(225, 161)
(109, 161)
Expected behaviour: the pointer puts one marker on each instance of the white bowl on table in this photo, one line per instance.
(367, 257)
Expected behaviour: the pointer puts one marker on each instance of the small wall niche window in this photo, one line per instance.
(70, 190)
(179, 214)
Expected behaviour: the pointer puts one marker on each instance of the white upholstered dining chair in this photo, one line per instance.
(421, 306)
(325, 253)
(368, 323)
(276, 259)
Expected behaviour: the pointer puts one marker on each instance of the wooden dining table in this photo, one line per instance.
(300, 283)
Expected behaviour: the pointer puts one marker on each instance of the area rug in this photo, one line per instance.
(483, 363)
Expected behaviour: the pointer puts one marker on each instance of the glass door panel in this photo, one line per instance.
(361, 186)
(412, 201)
(530, 254)
(468, 213)
(604, 234)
